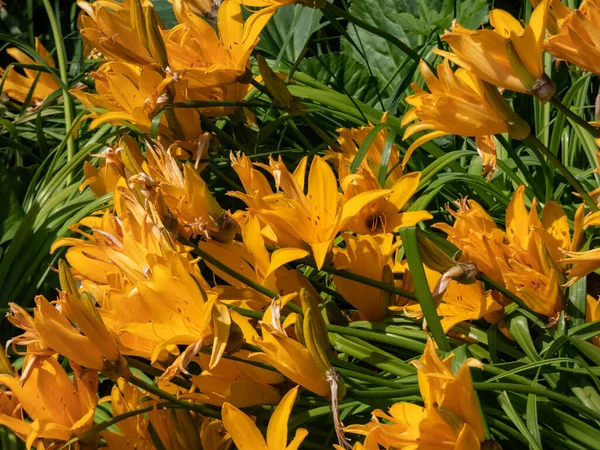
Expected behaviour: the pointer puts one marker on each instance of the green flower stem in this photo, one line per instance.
(151, 370)
(148, 387)
(396, 341)
(542, 392)
(521, 166)
(574, 117)
(62, 67)
(534, 142)
(373, 29)
(355, 277)
(415, 265)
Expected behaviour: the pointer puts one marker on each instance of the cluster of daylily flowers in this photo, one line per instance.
(217, 304)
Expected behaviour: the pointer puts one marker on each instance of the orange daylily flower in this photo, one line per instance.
(17, 86)
(246, 435)
(59, 408)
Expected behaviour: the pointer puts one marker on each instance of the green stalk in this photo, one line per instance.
(542, 392)
(574, 117)
(415, 265)
(534, 143)
(148, 387)
(62, 67)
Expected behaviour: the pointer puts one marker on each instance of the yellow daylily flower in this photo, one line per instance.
(450, 419)
(290, 358)
(246, 436)
(509, 56)
(181, 313)
(17, 86)
(90, 345)
(351, 139)
(369, 256)
(58, 408)
(108, 27)
(204, 59)
(465, 302)
(292, 218)
(592, 314)
(234, 382)
(383, 215)
(459, 103)
(576, 39)
(526, 258)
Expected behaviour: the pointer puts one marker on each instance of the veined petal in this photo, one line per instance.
(420, 141)
(277, 430)
(243, 431)
(283, 256)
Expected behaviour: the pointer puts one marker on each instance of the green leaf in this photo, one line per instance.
(288, 31)
(408, 20)
(164, 9)
(343, 73)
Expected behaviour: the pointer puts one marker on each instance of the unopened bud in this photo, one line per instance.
(156, 44)
(517, 127)
(138, 23)
(542, 88)
(279, 90)
(434, 257)
(5, 365)
(455, 423)
(314, 331)
(67, 282)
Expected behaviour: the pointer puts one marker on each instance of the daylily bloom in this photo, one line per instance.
(18, 86)
(109, 28)
(59, 408)
(576, 41)
(369, 256)
(449, 420)
(459, 103)
(527, 257)
(134, 94)
(234, 382)
(292, 218)
(464, 302)
(90, 345)
(351, 139)
(592, 314)
(181, 313)
(246, 436)
(290, 358)
(383, 215)
(509, 56)
(198, 55)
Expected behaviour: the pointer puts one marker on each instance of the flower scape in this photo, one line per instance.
(298, 224)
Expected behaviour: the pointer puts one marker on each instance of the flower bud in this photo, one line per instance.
(65, 277)
(5, 365)
(434, 257)
(138, 23)
(517, 127)
(542, 88)
(156, 44)
(279, 90)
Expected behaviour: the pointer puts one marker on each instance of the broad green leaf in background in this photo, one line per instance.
(289, 29)
(408, 20)
(341, 72)
(164, 9)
